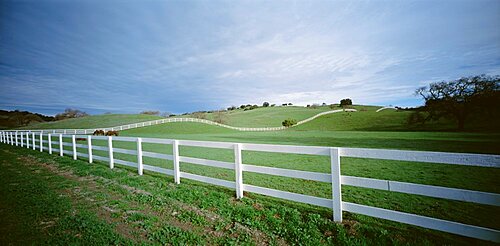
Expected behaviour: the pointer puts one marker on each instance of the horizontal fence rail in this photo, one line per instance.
(55, 142)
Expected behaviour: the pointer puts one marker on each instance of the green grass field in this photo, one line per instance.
(94, 121)
(73, 202)
(365, 128)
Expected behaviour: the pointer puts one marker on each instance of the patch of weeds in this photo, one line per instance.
(168, 234)
(194, 218)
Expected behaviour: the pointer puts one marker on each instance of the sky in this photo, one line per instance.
(183, 56)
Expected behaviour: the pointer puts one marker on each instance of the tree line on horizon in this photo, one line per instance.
(463, 100)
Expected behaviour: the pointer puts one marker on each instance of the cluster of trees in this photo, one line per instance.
(219, 116)
(459, 100)
(250, 106)
(151, 112)
(157, 113)
(16, 118)
(70, 113)
(343, 103)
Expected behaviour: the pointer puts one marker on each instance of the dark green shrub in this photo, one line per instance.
(289, 122)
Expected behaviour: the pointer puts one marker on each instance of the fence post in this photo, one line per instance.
(177, 172)
(21, 139)
(336, 184)
(73, 141)
(41, 141)
(238, 171)
(49, 136)
(89, 146)
(27, 140)
(61, 153)
(140, 166)
(110, 149)
(16, 139)
(34, 143)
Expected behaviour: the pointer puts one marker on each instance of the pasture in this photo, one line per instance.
(343, 131)
(94, 121)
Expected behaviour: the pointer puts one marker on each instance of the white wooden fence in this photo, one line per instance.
(169, 120)
(43, 141)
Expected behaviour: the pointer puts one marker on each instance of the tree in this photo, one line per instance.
(265, 104)
(457, 99)
(345, 102)
(288, 122)
(220, 116)
(70, 113)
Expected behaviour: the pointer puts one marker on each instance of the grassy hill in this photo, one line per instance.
(367, 119)
(94, 121)
(268, 116)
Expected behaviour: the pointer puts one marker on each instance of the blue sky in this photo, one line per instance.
(181, 56)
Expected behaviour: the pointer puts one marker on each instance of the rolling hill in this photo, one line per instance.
(94, 121)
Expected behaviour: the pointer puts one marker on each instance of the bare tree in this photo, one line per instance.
(220, 116)
(70, 113)
(200, 115)
(151, 112)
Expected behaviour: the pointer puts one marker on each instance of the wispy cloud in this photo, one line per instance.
(193, 55)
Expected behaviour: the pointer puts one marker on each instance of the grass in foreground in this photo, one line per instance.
(55, 200)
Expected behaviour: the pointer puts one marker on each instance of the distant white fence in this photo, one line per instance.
(43, 141)
(169, 120)
(384, 108)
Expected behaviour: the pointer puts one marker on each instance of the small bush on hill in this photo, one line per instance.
(265, 104)
(288, 122)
